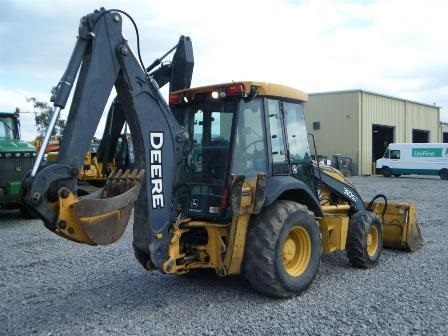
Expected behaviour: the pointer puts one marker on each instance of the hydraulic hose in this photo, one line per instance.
(369, 207)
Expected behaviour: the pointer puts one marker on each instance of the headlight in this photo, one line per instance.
(18, 155)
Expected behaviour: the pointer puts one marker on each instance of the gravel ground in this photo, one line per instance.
(50, 286)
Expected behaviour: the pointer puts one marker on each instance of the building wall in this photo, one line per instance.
(422, 117)
(443, 132)
(377, 110)
(338, 116)
(346, 120)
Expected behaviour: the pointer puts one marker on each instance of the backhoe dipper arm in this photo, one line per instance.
(177, 73)
(105, 60)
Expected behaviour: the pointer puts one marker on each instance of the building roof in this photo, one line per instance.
(372, 93)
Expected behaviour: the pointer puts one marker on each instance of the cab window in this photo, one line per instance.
(6, 128)
(395, 154)
(275, 125)
(250, 142)
(297, 134)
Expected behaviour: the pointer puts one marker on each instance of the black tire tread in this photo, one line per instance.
(359, 226)
(387, 172)
(259, 265)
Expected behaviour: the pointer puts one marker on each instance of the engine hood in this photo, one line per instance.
(14, 146)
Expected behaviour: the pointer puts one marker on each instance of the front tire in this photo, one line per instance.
(443, 174)
(283, 250)
(364, 239)
(387, 172)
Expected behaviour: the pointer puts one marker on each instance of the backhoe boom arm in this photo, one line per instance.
(104, 60)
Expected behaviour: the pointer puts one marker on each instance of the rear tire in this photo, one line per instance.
(364, 239)
(283, 250)
(443, 174)
(387, 172)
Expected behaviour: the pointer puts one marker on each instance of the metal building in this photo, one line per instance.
(443, 132)
(360, 124)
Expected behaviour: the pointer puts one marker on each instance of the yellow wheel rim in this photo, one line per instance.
(372, 241)
(296, 252)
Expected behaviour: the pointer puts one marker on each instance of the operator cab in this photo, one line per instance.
(228, 126)
(9, 126)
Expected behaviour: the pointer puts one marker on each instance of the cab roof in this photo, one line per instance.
(263, 89)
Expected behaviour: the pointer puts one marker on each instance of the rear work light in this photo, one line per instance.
(231, 90)
(218, 94)
(234, 90)
(228, 91)
(174, 98)
(178, 98)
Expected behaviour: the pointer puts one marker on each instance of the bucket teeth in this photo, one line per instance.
(121, 181)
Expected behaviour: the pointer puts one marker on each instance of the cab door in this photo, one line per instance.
(289, 140)
(297, 141)
(280, 161)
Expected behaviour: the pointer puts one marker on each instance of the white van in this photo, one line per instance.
(415, 158)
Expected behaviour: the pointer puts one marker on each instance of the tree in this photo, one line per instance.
(42, 117)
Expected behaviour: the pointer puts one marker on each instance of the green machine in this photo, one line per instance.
(16, 159)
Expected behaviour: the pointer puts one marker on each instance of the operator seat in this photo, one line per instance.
(217, 158)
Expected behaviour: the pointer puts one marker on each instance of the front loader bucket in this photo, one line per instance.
(101, 217)
(400, 227)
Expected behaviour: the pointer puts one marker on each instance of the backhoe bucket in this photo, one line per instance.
(100, 218)
(400, 227)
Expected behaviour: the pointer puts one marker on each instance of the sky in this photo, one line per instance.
(392, 47)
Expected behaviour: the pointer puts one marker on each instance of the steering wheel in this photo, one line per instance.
(253, 144)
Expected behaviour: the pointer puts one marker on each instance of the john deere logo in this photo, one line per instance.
(194, 203)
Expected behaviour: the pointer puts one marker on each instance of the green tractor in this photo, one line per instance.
(16, 159)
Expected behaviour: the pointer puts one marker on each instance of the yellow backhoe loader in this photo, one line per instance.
(96, 169)
(92, 171)
(222, 178)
